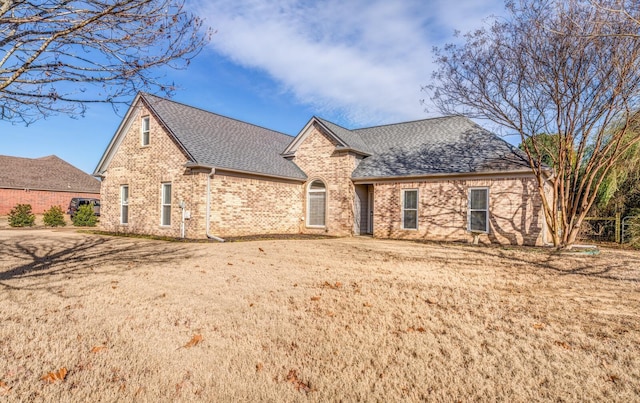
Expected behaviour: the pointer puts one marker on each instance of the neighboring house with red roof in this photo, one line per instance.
(176, 170)
(42, 183)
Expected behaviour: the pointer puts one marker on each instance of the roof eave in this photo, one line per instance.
(193, 165)
(293, 146)
(353, 150)
(369, 179)
(43, 189)
(106, 156)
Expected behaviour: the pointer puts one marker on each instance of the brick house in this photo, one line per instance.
(42, 183)
(175, 170)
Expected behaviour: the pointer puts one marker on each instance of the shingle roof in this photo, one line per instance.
(46, 173)
(350, 137)
(222, 142)
(447, 145)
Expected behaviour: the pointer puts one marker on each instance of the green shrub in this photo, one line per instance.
(54, 217)
(21, 216)
(85, 216)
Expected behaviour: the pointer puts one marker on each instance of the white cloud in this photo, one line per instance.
(365, 60)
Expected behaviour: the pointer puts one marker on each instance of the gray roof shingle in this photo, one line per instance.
(350, 137)
(446, 145)
(222, 142)
(46, 173)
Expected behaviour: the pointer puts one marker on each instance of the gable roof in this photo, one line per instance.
(224, 143)
(46, 173)
(445, 145)
(213, 141)
(351, 138)
(437, 146)
(345, 139)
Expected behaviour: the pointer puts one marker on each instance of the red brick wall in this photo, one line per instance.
(40, 200)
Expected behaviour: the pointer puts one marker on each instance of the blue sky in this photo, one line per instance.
(276, 63)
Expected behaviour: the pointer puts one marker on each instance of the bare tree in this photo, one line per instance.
(625, 9)
(56, 56)
(556, 67)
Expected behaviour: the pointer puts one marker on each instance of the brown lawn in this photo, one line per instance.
(296, 320)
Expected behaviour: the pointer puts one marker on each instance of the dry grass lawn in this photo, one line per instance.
(351, 319)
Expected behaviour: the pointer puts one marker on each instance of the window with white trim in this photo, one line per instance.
(124, 204)
(144, 129)
(479, 209)
(316, 204)
(166, 205)
(410, 209)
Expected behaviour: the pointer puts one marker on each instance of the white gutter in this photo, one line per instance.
(208, 212)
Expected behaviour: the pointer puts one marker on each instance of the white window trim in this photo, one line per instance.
(143, 131)
(123, 203)
(402, 208)
(309, 203)
(469, 210)
(162, 204)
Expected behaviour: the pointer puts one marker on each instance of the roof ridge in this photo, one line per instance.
(410, 121)
(143, 94)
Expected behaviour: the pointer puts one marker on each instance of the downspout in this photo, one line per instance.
(182, 209)
(208, 212)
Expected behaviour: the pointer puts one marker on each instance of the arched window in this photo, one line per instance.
(316, 204)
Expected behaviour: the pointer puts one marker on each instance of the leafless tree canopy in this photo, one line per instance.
(625, 9)
(570, 68)
(57, 56)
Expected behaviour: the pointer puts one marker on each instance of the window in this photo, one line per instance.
(316, 204)
(479, 210)
(145, 131)
(124, 204)
(166, 204)
(410, 209)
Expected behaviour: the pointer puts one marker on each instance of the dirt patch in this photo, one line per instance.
(323, 319)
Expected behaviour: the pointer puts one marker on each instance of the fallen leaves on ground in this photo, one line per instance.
(54, 376)
(563, 344)
(4, 388)
(297, 383)
(197, 338)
